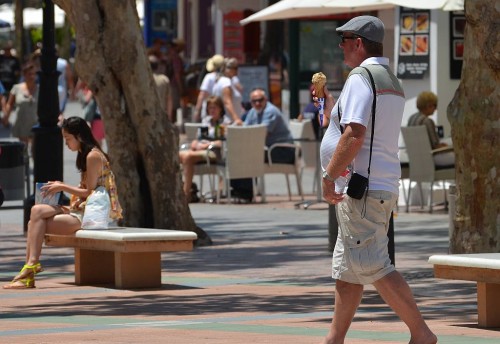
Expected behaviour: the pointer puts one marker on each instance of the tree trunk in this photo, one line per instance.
(143, 143)
(474, 117)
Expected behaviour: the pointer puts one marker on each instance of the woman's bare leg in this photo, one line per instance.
(188, 160)
(44, 219)
(47, 219)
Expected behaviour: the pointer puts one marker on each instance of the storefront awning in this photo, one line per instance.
(287, 9)
(446, 5)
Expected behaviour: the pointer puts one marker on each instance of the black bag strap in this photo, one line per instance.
(374, 106)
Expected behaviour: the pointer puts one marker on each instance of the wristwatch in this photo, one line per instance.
(327, 177)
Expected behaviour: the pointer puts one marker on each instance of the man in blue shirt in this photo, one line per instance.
(263, 112)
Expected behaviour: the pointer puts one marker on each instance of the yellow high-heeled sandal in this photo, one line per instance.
(25, 282)
(37, 268)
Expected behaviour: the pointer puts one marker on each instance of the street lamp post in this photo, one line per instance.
(47, 143)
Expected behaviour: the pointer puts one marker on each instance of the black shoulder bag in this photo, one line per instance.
(358, 184)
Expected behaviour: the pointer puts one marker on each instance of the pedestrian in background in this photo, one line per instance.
(212, 66)
(24, 98)
(163, 87)
(10, 68)
(175, 65)
(227, 88)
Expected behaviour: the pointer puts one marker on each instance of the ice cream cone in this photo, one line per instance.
(319, 82)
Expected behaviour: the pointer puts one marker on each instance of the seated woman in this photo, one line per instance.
(94, 167)
(426, 105)
(199, 148)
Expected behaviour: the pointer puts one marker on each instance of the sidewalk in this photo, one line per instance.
(266, 280)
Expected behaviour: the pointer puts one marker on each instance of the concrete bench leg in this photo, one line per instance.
(137, 270)
(123, 270)
(488, 304)
(94, 267)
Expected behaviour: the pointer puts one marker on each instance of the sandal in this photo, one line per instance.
(23, 283)
(26, 281)
(36, 268)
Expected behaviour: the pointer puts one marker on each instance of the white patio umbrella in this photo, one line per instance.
(286, 9)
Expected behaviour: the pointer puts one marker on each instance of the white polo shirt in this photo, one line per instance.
(356, 105)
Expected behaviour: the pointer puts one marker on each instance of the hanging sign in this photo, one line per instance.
(413, 43)
(457, 28)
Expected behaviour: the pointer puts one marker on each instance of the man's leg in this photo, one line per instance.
(397, 294)
(347, 299)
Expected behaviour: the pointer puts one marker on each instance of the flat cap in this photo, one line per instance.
(368, 27)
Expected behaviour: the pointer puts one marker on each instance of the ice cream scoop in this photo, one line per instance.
(319, 81)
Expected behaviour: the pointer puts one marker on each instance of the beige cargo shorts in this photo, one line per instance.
(361, 255)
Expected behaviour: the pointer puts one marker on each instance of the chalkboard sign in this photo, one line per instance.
(252, 77)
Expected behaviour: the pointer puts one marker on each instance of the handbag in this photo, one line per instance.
(97, 208)
(96, 214)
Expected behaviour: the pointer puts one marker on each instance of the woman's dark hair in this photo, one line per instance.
(79, 128)
(217, 101)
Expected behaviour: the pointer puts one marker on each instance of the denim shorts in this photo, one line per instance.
(361, 254)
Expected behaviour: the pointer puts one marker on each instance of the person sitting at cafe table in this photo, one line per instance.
(263, 112)
(426, 105)
(215, 122)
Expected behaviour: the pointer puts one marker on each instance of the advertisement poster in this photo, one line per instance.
(160, 20)
(413, 43)
(457, 28)
(233, 36)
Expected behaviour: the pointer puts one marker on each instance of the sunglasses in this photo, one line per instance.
(343, 38)
(258, 100)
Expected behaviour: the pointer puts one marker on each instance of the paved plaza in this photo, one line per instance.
(265, 280)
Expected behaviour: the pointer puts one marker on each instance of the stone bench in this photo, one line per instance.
(123, 256)
(483, 268)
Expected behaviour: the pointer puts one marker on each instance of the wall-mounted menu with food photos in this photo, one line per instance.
(413, 43)
(457, 28)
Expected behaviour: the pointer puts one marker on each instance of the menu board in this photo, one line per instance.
(253, 77)
(457, 28)
(413, 43)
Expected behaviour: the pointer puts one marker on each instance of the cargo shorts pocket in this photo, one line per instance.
(363, 253)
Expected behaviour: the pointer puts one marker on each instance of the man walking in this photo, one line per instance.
(361, 255)
(162, 87)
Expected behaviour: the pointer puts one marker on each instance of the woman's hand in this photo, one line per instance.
(194, 144)
(52, 187)
(202, 145)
